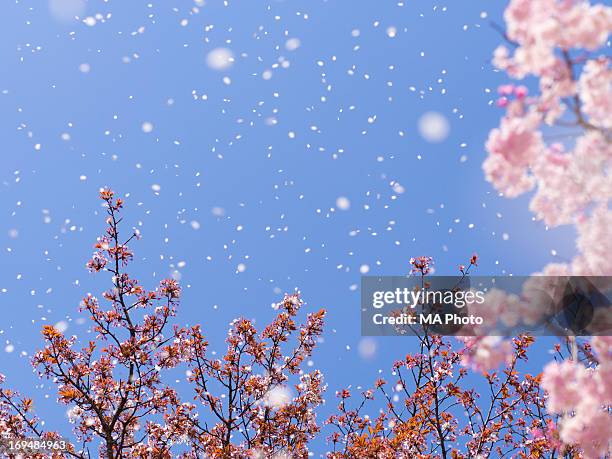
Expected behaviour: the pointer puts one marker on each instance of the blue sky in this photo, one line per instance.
(235, 187)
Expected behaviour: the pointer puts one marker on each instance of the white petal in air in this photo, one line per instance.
(367, 347)
(343, 203)
(434, 127)
(220, 59)
(292, 44)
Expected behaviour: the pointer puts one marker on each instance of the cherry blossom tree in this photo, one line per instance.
(431, 407)
(558, 143)
(114, 384)
(431, 411)
(259, 401)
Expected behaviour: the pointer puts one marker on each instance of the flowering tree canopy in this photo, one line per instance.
(114, 385)
(558, 143)
(258, 400)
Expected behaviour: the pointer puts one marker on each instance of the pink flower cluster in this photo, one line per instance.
(595, 244)
(421, 265)
(559, 42)
(507, 91)
(485, 353)
(595, 88)
(540, 27)
(512, 148)
(583, 396)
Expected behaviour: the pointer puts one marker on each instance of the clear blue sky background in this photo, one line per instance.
(277, 193)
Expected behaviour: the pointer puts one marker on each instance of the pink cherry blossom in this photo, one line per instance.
(507, 178)
(594, 244)
(485, 353)
(595, 87)
(560, 42)
(581, 395)
(517, 139)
